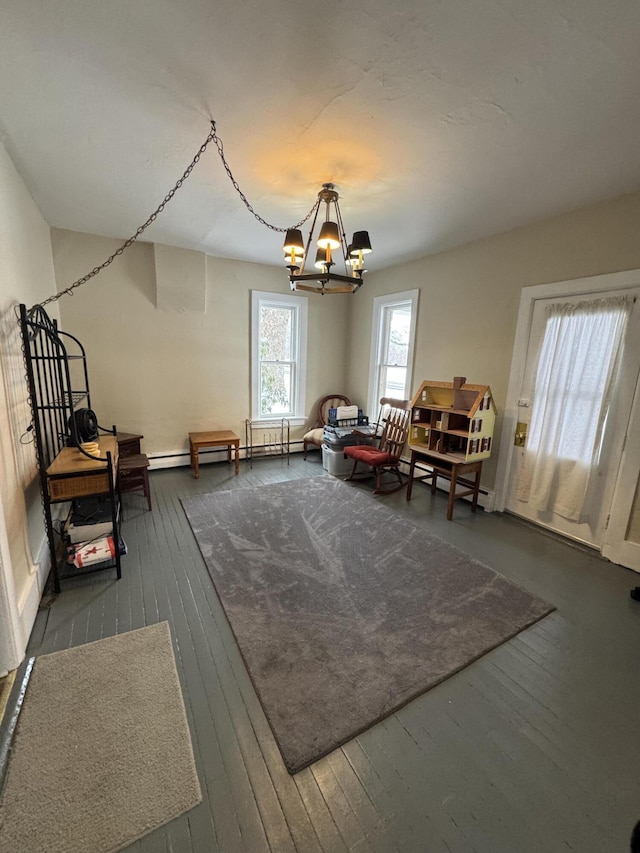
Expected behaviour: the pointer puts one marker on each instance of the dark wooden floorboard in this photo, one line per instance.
(532, 748)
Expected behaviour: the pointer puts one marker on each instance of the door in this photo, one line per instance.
(622, 536)
(614, 520)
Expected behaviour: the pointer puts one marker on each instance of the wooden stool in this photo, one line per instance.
(214, 438)
(133, 474)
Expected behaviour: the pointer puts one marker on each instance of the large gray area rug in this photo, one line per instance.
(102, 752)
(343, 609)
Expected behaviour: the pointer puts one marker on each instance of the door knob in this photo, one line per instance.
(520, 437)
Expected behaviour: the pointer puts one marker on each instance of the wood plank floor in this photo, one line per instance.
(535, 747)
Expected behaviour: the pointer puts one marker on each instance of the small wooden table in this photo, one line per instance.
(74, 475)
(214, 438)
(448, 467)
(128, 443)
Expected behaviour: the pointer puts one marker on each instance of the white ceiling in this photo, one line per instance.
(440, 121)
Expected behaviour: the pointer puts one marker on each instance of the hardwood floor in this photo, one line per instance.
(534, 747)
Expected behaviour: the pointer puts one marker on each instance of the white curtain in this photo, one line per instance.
(574, 382)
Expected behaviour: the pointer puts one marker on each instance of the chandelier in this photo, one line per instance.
(331, 242)
(331, 248)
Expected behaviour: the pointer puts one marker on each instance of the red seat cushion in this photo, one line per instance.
(368, 455)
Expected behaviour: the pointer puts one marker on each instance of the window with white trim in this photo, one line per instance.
(278, 360)
(392, 342)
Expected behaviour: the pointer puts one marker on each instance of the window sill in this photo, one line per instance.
(297, 421)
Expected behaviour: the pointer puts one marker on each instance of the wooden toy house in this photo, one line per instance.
(453, 419)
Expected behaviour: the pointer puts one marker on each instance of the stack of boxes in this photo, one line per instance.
(347, 426)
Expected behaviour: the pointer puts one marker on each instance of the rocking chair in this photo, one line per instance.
(394, 422)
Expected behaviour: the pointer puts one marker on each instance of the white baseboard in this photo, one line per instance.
(176, 459)
(31, 596)
(180, 458)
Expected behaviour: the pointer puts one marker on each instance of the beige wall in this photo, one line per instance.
(469, 296)
(165, 373)
(26, 275)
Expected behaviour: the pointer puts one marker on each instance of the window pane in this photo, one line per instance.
(276, 333)
(275, 389)
(392, 382)
(396, 329)
(574, 373)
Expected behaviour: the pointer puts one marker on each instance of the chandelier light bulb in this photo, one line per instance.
(293, 244)
(321, 260)
(329, 236)
(360, 243)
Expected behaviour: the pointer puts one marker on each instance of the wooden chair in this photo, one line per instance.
(393, 423)
(133, 475)
(315, 436)
(133, 466)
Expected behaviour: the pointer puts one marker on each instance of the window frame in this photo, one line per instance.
(378, 342)
(299, 304)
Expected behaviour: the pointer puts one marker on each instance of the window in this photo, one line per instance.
(279, 335)
(575, 378)
(576, 370)
(392, 340)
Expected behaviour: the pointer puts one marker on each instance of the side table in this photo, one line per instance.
(213, 438)
(450, 469)
(128, 443)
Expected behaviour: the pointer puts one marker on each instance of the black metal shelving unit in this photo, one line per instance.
(58, 384)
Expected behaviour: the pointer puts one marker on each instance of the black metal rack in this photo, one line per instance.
(58, 384)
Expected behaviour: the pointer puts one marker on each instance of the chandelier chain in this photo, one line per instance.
(212, 137)
(236, 186)
(69, 290)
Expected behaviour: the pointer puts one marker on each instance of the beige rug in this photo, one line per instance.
(102, 753)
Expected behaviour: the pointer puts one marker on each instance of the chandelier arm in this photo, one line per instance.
(311, 230)
(343, 245)
(324, 277)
